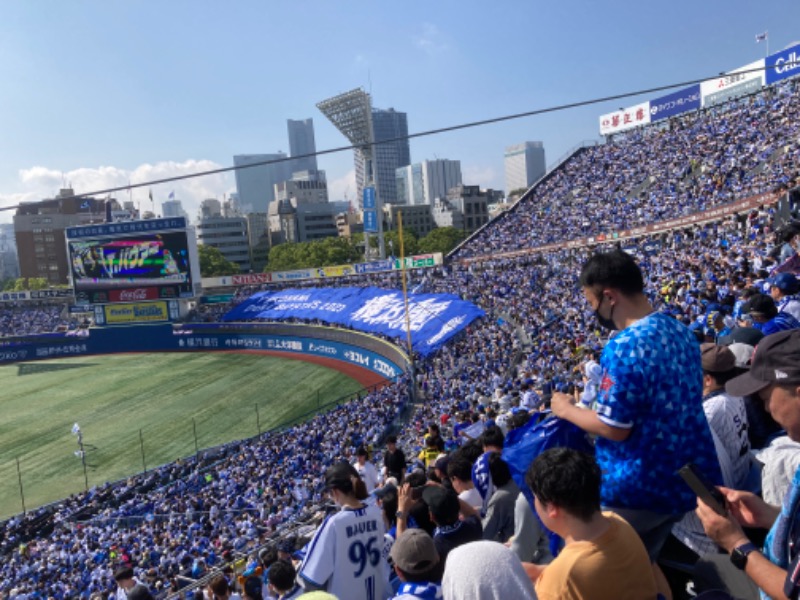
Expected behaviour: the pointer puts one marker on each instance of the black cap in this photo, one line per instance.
(761, 304)
(776, 360)
(742, 335)
(389, 489)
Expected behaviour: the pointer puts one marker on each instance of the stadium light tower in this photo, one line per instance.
(351, 114)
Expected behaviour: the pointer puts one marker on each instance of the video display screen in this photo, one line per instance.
(157, 259)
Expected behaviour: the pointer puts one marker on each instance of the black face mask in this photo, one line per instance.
(602, 321)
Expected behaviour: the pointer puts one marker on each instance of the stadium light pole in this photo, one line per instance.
(351, 114)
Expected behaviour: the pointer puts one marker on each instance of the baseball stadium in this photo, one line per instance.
(181, 433)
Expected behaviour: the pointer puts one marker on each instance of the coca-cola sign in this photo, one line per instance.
(134, 294)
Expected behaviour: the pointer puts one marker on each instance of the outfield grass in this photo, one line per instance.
(114, 397)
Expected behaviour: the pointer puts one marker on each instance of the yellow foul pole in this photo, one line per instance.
(405, 286)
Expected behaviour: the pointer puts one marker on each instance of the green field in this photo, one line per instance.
(166, 396)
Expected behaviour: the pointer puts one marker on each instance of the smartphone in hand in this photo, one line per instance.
(704, 490)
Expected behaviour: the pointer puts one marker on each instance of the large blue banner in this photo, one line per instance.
(675, 103)
(783, 65)
(434, 318)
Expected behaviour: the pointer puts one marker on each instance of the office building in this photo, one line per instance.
(209, 208)
(524, 165)
(255, 186)
(229, 235)
(465, 208)
(9, 265)
(418, 219)
(172, 208)
(259, 240)
(301, 212)
(39, 229)
(348, 223)
(388, 157)
(301, 142)
(422, 183)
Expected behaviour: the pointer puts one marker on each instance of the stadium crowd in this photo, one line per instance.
(186, 517)
(23, 319)
(539, 342)
(704, 159)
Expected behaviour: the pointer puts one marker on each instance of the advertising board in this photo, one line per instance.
(626, 118)
(251, 278)
(783, 64)
(739, 82)
(337, 271)
(675, 103)
(374, 266)
(116, 314)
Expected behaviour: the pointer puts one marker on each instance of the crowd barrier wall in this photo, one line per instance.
(355, 349)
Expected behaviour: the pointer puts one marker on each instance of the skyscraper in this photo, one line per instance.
(422, 183)
(172, 208)
(256, 185)
(301, 141)
(524, 165)
(386, 125)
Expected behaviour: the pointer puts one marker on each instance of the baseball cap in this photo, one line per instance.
(785, 282)
(761, 304)
(389, 489)
(776, 360)
(742, 335)
(743, 354)
(443, 504)
(716, 359)
(441, 463)
(414, 552)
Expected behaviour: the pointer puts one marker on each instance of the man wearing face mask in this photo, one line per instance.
(649, 419)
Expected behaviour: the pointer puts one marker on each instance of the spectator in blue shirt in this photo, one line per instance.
(649, 418)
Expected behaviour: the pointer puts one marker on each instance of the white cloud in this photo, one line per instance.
(430, 40)
(343, 187)
(38, 182)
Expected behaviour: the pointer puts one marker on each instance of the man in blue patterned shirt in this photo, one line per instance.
(649, 419)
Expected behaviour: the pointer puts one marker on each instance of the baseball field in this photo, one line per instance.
(140, 410)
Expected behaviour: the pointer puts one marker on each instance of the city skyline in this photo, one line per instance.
(174, 104)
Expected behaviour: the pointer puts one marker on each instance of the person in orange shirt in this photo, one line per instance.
(599, 546)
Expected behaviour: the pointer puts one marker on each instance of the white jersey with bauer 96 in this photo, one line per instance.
(344, 556)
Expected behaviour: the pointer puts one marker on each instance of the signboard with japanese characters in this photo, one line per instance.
(675, 103)
(626, 118)
(739, 82)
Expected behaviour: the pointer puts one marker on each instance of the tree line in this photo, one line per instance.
(332, 251)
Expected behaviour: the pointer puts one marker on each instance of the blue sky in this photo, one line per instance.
(106, 92)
